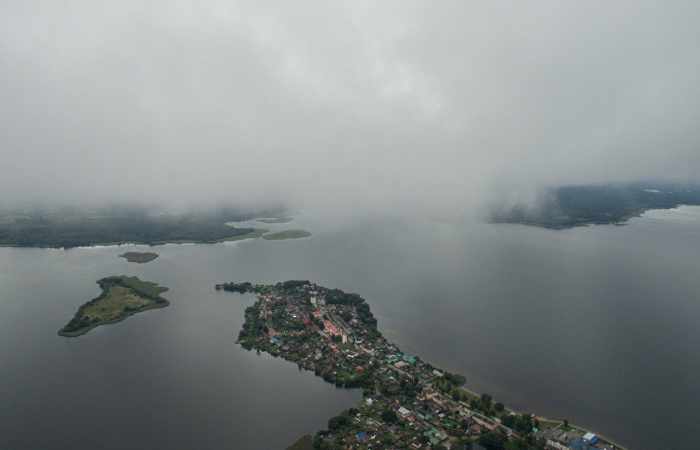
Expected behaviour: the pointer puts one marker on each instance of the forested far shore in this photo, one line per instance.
(66, 228)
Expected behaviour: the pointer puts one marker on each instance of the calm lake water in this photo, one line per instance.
(598, 325)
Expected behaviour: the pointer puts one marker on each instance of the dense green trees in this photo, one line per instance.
(338, 422)
(492, 440)
(365, 315)
(291, 285)
(389, 416)
(449, 383)
(455, 379)
(522, 423)
(240, 288)
(486, 401)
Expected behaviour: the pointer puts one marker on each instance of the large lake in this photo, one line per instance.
(600, 325)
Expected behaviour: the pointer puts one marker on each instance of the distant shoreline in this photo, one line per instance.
(273, 220)
(109, 226)
(618, 221)
(286, 234)
(251, 235)
(572, 206)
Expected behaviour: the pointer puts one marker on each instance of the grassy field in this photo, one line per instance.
(286, 234)
(143, 288)
(113, 304)
(121, 297)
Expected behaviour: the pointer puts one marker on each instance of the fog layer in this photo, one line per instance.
(356, 105)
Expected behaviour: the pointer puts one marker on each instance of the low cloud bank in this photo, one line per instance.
(405, 106)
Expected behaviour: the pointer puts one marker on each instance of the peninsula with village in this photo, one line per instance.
(407, 402)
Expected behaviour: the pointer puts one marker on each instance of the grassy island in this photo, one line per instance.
(407, 402)
(139, 257)
(121, 297)
(286, 234)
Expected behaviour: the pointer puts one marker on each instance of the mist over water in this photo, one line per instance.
(410, 106)
(597, 325)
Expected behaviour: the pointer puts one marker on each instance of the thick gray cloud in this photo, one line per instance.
(353, 104)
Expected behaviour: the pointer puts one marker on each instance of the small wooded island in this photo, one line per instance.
(121, 297)
(139, 257)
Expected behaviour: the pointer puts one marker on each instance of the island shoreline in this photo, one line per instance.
(83, 331)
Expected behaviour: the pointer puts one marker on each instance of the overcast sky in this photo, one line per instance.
(370, 104)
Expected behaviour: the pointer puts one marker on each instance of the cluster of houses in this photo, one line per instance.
(570, 438)
(407, 402)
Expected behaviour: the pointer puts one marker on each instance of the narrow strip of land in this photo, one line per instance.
(286, 234)
(275, 220)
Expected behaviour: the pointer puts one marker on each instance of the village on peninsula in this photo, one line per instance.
(407, 403)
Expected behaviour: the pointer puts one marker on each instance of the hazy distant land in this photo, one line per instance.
(254, 233)
(139, 257)
(286, 234)
(66, 228)
(572, 206)
(121, 297)
(275, 219)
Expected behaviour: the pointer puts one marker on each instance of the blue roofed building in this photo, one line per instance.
(590, 438)
(580, 444)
